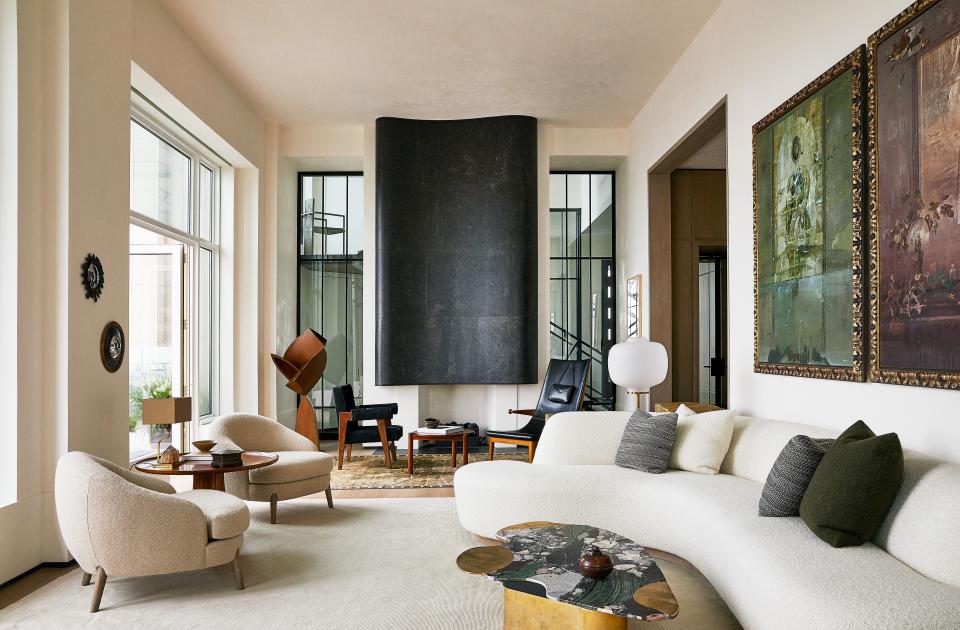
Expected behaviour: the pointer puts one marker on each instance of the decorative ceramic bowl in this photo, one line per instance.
(431, 423)
(204, 446)
(595, 564)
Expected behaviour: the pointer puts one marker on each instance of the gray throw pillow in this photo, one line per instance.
(647, 442)
(790, 475)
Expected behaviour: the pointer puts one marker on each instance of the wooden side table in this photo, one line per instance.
(462, 437)
(205, 475)
(694, 407)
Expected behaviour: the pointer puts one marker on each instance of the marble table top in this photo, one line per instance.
(548, 554)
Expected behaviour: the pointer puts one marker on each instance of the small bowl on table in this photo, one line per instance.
(204, 446)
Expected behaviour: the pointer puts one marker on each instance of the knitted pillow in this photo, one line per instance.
(790, 475)
(647, 442)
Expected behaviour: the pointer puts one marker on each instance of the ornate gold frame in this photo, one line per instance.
(921, 378)
(856, 372)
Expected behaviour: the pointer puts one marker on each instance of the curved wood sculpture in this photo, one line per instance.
(302, 364)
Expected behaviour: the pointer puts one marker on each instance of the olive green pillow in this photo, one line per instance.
(854, 486)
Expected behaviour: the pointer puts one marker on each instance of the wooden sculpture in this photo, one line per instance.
(302, 365)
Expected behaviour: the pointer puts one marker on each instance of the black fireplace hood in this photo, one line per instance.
(456, 251)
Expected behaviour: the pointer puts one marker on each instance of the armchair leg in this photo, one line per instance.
(531, 450)
(340, 455)
(490, 448)
(237, 571)
(329, 497)
(349, 452)
(84, 578)
(393, 450)
(273, 508)
(382, 430)
(98, 590)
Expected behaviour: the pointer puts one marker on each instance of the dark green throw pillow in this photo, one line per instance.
(854, 486)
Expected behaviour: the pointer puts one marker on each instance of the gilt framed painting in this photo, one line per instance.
(914, 104)
(809, 197)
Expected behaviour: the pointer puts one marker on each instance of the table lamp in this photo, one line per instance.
(168, 411)
(637, 364)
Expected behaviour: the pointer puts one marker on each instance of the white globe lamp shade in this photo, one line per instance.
(637, 364)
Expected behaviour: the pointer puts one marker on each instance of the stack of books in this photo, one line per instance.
(227, 457)
(441, 430)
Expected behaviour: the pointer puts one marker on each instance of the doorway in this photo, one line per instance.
(688, 263)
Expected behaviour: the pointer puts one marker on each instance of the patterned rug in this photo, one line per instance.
(429, 471)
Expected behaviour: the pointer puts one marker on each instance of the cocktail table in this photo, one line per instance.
(205, 475)
(538, 564)
(462, 437)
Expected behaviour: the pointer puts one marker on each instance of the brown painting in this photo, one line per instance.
(915, 166)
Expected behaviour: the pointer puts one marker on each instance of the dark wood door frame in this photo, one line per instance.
(659, 199)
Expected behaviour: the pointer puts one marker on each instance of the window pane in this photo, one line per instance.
(355, 215)
(558, 190)
(311, 238)
(159, 179)
(332, 222)
(206, 204)
(205, 360)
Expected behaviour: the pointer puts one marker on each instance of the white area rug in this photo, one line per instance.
(370, 563)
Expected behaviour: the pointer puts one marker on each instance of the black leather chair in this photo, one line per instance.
(563, 390)
(349, 417)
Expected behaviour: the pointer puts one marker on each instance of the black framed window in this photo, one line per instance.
(582, 275)
(330, 281)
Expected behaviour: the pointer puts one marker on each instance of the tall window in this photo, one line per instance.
(330, 283)
(582, 276)
(174, 274)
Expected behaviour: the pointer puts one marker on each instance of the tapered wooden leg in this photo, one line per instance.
(85, 578)
(453, 453)
(273, 508)
(464, 447)
(382, 430)
(410, 453)
(490, 448)
(329, 497)
(349, 452)
(531, 450)
(237, 571)
(98, 590)
(393, 451)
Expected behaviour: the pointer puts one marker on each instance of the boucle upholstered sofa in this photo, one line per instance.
(299, 471)
(772, 572)
(122, 523)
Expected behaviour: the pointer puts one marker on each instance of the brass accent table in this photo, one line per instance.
(538, 564)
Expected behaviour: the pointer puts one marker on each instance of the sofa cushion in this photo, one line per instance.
(702, 440)
(790, 476)
(854, 486)
(647, 442)
(227, 516)
(293, 466)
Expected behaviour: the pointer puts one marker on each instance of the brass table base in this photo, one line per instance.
(522, 611)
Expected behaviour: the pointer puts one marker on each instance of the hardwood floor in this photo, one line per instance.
(20, 587)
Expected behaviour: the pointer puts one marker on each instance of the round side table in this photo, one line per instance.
(205, 475)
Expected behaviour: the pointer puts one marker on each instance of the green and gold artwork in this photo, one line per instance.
(808, 193)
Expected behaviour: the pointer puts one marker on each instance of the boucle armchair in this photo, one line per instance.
(299, 471)
(122, 523)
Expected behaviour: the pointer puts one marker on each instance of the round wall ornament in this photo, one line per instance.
(91, 272)
(112, 346)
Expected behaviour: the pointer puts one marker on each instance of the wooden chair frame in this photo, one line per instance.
(389, 448)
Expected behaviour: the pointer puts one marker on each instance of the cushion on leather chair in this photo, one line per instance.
(513, 435)
(293, 466)
(371, 434)
(374, 412)
(227, 516)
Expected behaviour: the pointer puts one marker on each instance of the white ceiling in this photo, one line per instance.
(332, 62)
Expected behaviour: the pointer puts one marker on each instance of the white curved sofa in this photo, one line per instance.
(772, 572)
